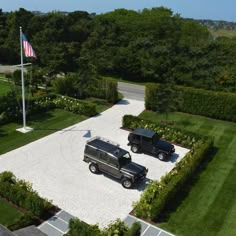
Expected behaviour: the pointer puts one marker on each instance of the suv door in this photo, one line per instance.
(114, 167)
(147, 145)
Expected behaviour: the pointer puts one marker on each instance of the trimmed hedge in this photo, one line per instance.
(217, 105)
(159, 193)
(21, 194)
(76, 106)
(116, 228)
(212, 104)
(106, 89)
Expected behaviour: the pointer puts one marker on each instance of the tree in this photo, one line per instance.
(168, 98)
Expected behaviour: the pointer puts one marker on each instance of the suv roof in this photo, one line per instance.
(144, 132)
(107, 146)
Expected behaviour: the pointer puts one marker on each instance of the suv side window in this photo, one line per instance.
(113, 162)
(147, 140)
(103, 156)
(91, 151)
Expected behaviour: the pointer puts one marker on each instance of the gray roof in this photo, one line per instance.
(29, 231)
(144, 132)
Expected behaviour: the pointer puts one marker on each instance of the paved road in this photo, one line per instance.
(132, 91)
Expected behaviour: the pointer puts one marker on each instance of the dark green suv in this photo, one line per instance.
(146, 140)
(107, 157)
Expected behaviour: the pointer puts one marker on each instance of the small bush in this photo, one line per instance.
(78, 227)
(135, 230)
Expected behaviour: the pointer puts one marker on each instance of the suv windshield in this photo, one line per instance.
(125, 159)
(155, 138)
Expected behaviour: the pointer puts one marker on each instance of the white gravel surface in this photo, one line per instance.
(55, 167)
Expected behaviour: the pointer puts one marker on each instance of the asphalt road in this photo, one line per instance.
(132, 91)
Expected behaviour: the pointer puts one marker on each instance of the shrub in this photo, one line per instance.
(117, 227)
(111, 90)
(76, 106)
(159, 193)
(212, 104)
(135, 229)
(106, 89)
(21, 193)
(151, 91)
(77, 227)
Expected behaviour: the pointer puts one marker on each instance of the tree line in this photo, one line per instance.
(151, 45)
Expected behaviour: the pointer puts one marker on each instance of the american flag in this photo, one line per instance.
(29, 52)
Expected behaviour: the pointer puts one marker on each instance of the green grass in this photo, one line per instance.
(210, 206)
(8, 214)
(43, 125)
(5, 87)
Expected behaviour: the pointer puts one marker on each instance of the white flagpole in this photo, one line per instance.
(22, 81)
(24, 129)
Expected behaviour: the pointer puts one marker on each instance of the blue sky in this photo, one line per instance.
(198, 9)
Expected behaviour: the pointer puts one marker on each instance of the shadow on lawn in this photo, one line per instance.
(178, 198)
(2, 133)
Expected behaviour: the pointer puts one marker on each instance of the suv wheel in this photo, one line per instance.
(127, 183)
(161, 156)
(93, 168)
(134, 148)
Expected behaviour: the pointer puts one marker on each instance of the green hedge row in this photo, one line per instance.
(21, 194)
(160, 193)
(216, 105)
(212, 104)
(117, 228)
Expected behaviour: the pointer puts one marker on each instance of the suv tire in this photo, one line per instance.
(93, 168)
(161, 156)
(135, 148)
(127, 183)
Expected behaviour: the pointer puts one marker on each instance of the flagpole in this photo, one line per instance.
(22, 81)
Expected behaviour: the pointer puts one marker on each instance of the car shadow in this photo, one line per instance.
(140, 186)
(174, 157)
(123, 102)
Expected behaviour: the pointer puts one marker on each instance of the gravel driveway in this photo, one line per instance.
(54, 166)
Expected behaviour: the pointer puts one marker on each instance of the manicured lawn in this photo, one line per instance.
(43, 125)
(8, 214)
(5, 87)
(210, 206)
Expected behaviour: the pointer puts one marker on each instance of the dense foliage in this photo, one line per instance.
(116, 228)
(213, 104)
(21, 193)
(159, 194)
(149, 45)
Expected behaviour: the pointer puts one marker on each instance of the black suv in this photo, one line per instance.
(107, 157)
(148, 141)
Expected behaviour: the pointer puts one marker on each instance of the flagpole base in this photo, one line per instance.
(24, 129)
